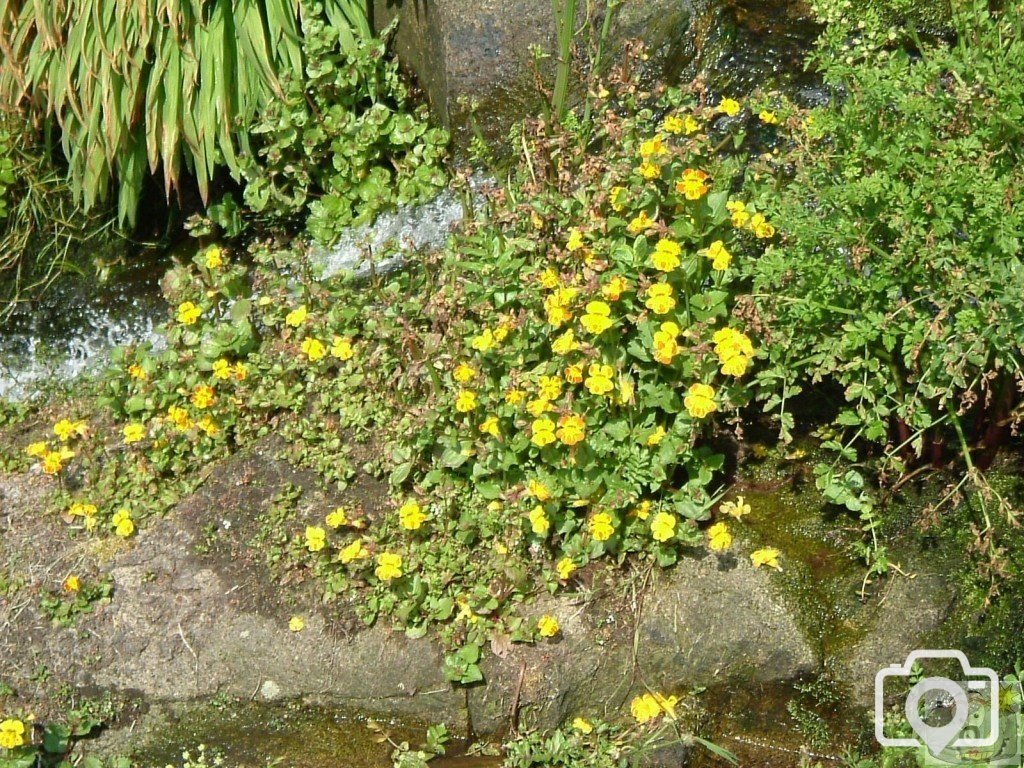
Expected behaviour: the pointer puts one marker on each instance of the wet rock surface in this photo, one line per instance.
(482, 52)
(197, 614)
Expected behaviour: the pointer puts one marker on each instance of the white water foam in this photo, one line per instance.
(398, 233)
(75, 335)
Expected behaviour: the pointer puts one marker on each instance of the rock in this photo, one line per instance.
(903, 619)
(707, 620)
(482, 51)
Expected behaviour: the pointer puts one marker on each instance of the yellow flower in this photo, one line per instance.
(515, 396)
(768, 117)
(601, 527)
(549, 387)
(693, 185)
(565, 567)
(179, 417)
(72, 583)
(465, 401)
(352, 552)
(547, 626)
(342, 348)
(738, 209)
(656, 436)
(618, 196)
(599, 379)
(296, 624)
(665, 345)
(729, 342)
(410, 516)
(221, 369)
(736, 509)
(557, 308)
(133, 433)
(649, 706)
(389, 566)
(538, 407)
(123, 524)
(12, 733)
(736, 366)
(663, 526)
(37, 450)
(314, 349)
(691, 125)
(337, 518)
(573, 374)
(53, 462)
(539, 522)
(241, 372)
(730, 107)
(653, 148)
(719, 538)
(209, 426)
(316, 538)
(203, 397)
(597, 319)
(65, 429)
(582, 726)
(575, 241)
(188, 313)
(768, 556)
(214, 257)
(542, 432)
(549, 279)
(642, 510)
(719, 256)
(614, 288)
(649, 170)
(673, 124)
(489, 426)
(762, 229)
(665, 256)
(79, 509)
(565, 343)
(700, 400)
(463, 373)
(571, 429)
(640, 223)
(137, 372)
(538, 490)
(659, 299)
(484, 341)
(297, 317)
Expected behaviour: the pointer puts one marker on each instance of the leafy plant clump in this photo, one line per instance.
(156, 86)
(341, 144)
(899, 274)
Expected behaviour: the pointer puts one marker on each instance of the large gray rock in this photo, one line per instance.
(904, 618)
(482, 51)
(707, 620)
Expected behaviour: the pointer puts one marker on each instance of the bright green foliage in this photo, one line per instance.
(156, 85)
(586, 320)
(6, 172)
(900, 272)
(341, 145)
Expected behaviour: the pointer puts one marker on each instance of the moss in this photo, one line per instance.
(295, 735)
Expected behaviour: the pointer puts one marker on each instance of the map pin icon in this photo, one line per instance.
(937, 738)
